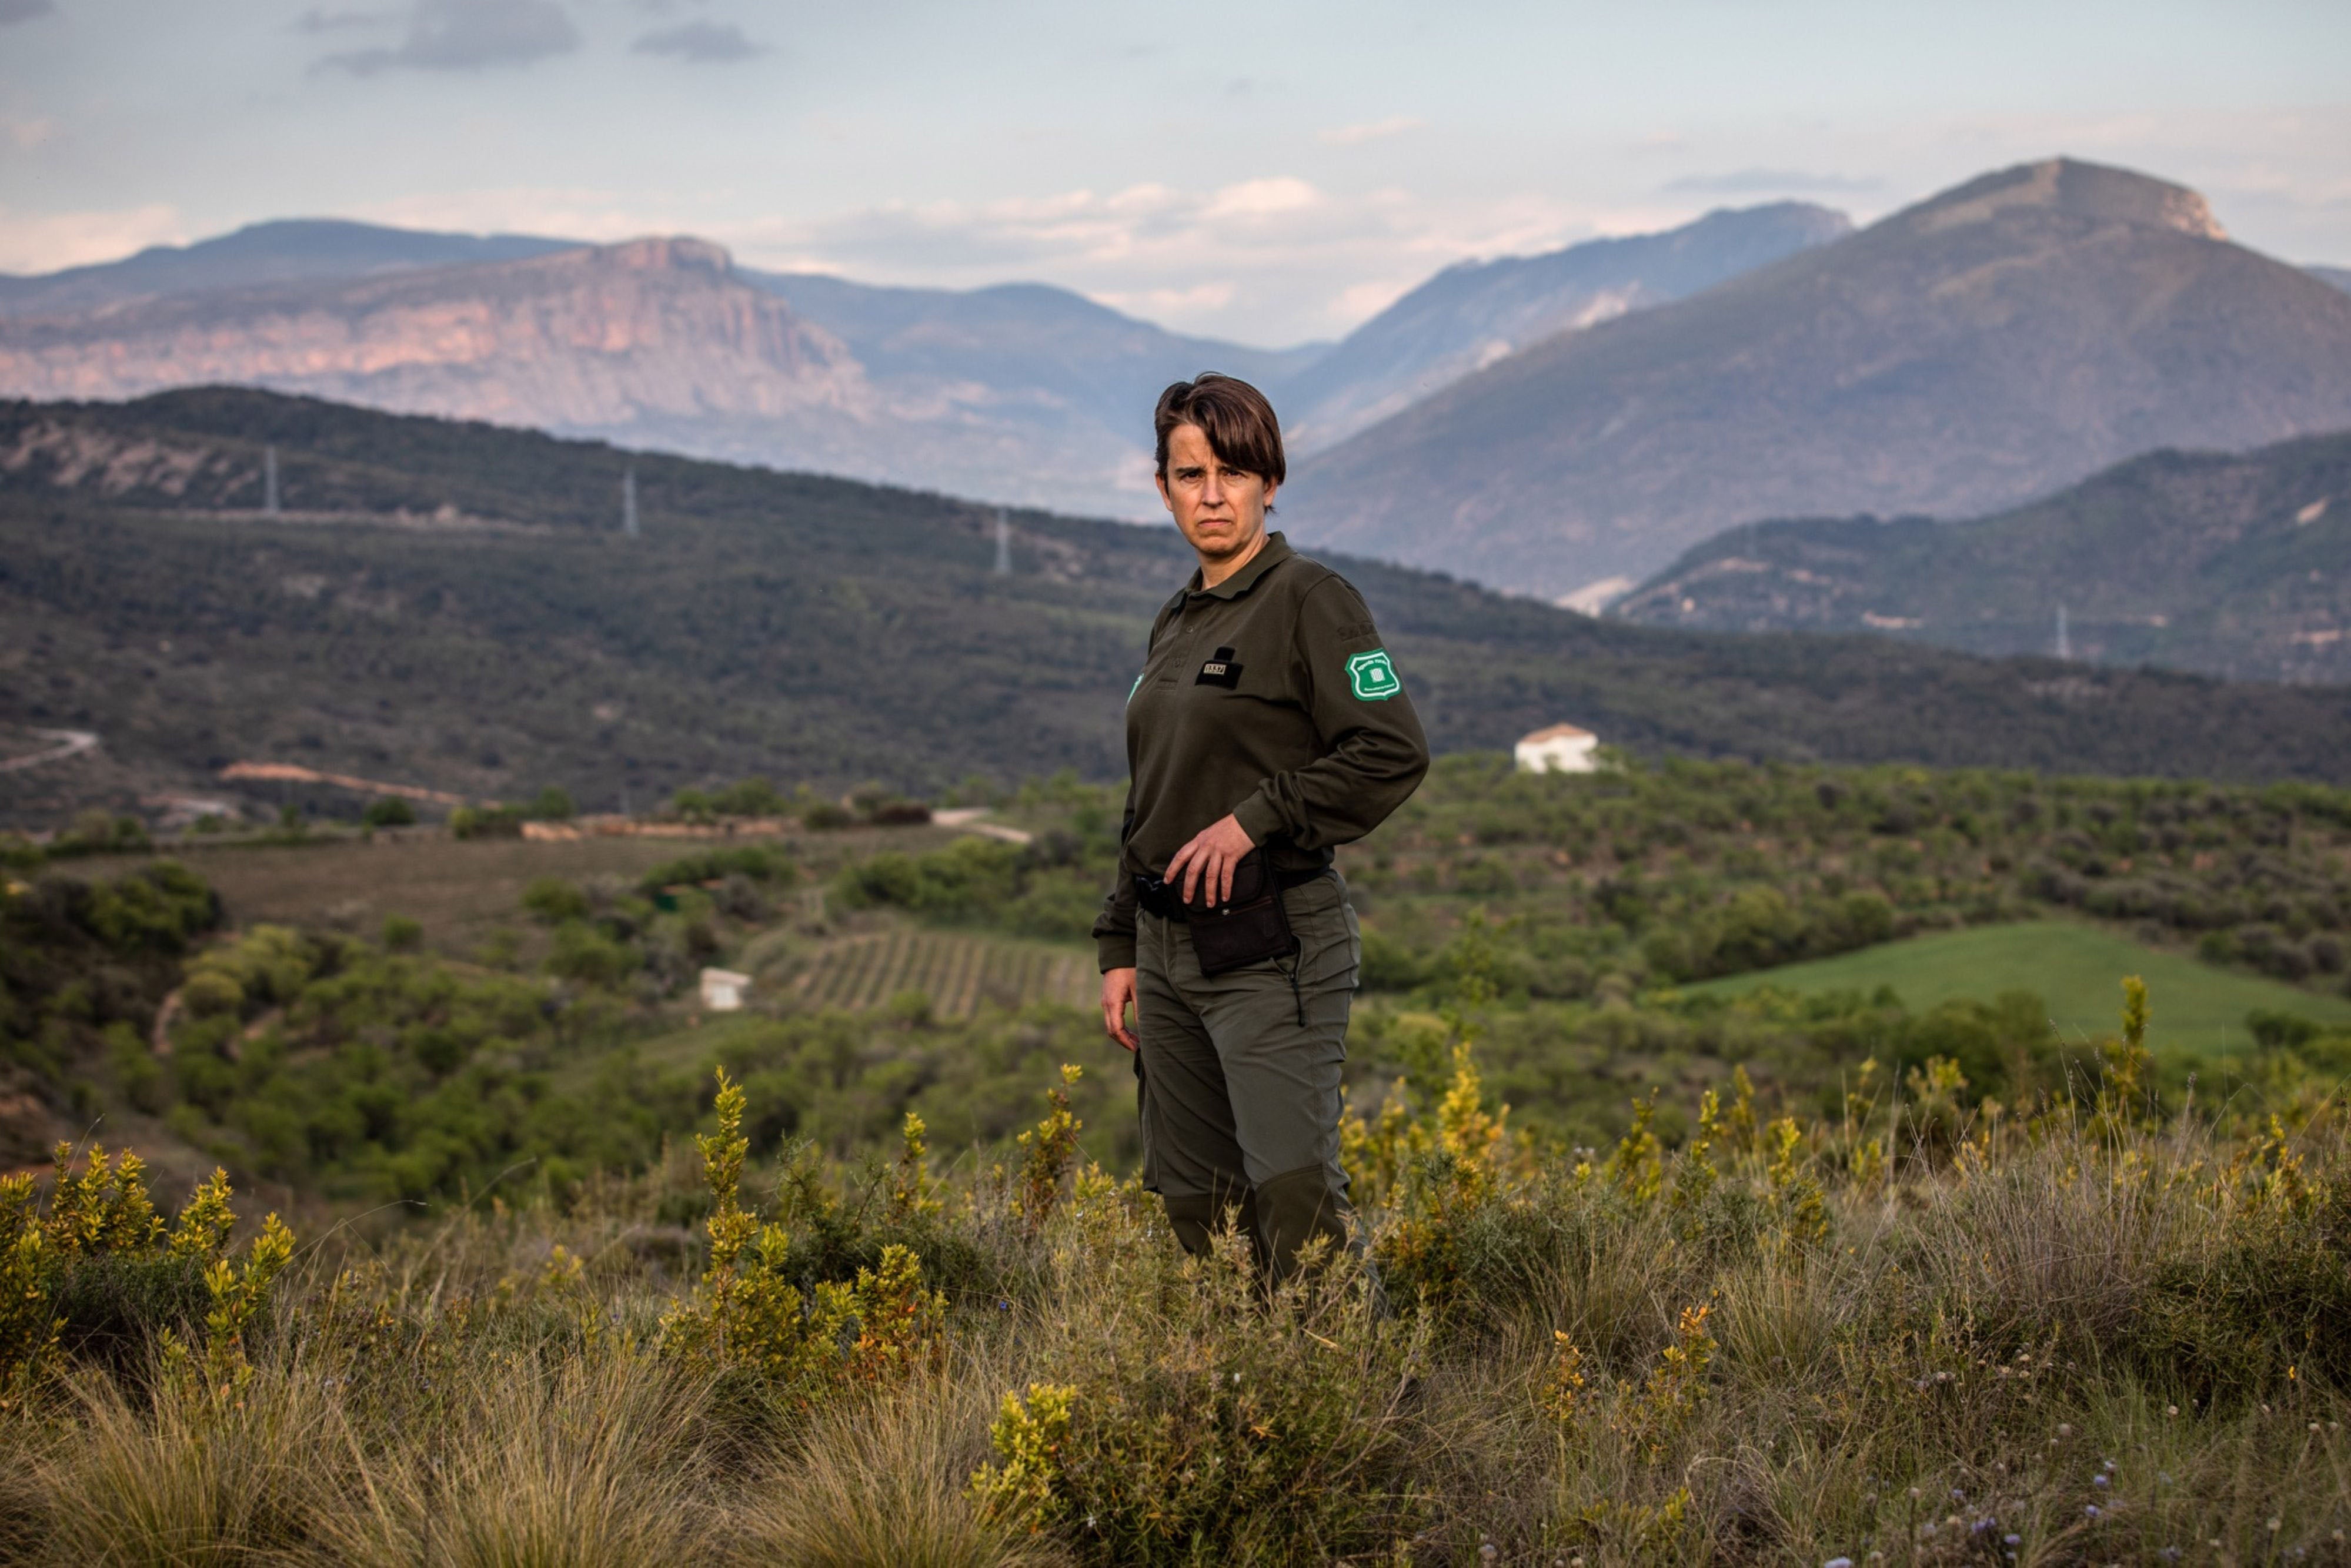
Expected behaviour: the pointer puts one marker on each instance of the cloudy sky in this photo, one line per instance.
(1266, 172)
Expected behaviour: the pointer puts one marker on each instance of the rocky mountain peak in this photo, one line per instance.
(663, 253)
(2065, 184)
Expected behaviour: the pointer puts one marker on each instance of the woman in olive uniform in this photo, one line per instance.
(1268, 725)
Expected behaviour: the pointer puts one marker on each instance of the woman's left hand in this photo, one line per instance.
(1213, 852)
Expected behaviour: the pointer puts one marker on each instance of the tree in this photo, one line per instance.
(389, 811)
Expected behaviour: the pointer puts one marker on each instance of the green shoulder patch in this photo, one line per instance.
(1372, 678)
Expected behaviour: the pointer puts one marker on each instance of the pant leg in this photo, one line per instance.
(1280, 1032)
(1190, 1156)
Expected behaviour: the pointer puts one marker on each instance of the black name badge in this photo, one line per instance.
(1220, 671)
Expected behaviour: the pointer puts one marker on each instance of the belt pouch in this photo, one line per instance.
(1249, 929)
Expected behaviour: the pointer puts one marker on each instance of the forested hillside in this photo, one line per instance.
(456, 606)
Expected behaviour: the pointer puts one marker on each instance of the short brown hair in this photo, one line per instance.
(1234, 417)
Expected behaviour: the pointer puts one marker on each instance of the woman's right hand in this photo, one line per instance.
(1118, 992)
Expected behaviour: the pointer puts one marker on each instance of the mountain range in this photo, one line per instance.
(301, 250)
(1477, 312)
(455, 606)
(1991, 344)
(2234, 564)
(1021, 394)
(1563, 425)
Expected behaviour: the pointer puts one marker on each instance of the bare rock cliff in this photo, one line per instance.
(598, 336)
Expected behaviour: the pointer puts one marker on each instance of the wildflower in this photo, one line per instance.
(1488, 1552)
(2094, 1510)
(2013, 1539)
(2274, 1523)
(2171, 1410)
(2313, 1426)
(1838, 1562)
(2065, 1428)
(2098, 1480)
(1959, 1496)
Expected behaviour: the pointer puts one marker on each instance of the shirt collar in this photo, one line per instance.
(1277, 551)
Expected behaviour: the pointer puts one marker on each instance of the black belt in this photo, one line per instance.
(1165, 899)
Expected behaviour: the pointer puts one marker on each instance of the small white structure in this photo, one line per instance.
(1560, 749)
(722, 991)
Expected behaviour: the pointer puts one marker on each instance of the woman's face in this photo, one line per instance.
(1219, 508)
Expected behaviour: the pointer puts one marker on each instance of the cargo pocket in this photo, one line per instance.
(1330, 951)
(1143, 1120)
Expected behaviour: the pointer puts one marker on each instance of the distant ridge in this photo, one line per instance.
(2233, 565)
(288, 250)
(1993, 343)
(579, 337)
(1470, 315)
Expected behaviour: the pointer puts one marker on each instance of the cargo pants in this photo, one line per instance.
(1238, 1079)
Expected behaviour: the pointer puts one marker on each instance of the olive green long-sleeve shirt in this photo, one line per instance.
(1269, 697)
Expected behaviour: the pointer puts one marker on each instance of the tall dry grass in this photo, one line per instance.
(2075, 1337)
(884, 1481)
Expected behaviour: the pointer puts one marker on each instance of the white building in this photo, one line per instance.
(1560, 749)
(722, 991)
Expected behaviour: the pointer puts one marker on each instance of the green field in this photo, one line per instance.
(956, 970)
(2075, 969)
